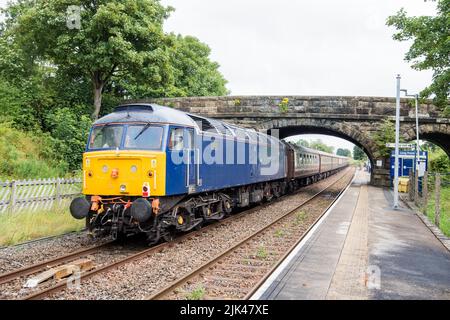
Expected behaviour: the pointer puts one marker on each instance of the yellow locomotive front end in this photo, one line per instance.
(124, 173)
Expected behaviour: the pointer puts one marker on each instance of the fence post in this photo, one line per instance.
(425, 192)
(411, 185)
(12, 196)
(437, 209)
(416, 187)
(58, 191)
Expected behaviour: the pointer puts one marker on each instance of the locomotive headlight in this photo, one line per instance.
(133, 168)
(123, 188)
(105, 168)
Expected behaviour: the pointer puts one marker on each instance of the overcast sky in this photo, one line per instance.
(302, 47)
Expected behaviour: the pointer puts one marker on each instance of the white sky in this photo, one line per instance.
(299, 47)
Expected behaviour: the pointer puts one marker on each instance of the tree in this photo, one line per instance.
(302, 143)
(343, 152)
(430, 48)
(358, 153)
(109, 40)
(192, 73)
(70, 133)
(385, 134)
(319, 145)
(195, 74)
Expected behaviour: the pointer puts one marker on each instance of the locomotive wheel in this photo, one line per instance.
(169, 235)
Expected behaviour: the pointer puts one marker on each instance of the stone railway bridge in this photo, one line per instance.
(355, 119)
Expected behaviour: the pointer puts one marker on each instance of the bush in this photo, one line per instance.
(14, 107)
(28, 155)
(70, 132)
(439, 161)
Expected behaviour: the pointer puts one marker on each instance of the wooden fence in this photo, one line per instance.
(33, 195)
(430, 185)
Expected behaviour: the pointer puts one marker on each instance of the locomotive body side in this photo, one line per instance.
(219, 161)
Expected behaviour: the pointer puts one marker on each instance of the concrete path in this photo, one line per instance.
(366, 250)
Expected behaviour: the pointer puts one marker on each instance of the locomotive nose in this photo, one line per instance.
(79, 208)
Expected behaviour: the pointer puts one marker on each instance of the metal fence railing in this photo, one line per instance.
(37, 194)
(427, 190)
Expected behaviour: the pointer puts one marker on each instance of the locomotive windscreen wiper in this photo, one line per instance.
(147, 125)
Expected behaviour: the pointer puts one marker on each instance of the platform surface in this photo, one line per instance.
(364, 249)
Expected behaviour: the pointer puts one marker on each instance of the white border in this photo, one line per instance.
(257, 295)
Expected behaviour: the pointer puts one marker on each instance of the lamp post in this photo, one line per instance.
(397, 138)
(416, 100)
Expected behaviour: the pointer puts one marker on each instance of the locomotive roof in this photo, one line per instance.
(154, 113)
(144, 112)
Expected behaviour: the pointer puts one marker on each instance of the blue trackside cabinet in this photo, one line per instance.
(406, 163)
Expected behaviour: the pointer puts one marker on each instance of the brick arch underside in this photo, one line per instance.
(349, 132)
(437, 133)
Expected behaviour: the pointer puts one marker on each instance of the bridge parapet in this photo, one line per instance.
(343, 105)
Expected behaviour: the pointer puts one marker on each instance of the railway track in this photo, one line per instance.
(240, 270)
(26, 271)
(147, 252)
(23, 244)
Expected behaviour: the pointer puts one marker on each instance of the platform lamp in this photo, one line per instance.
(416, 99)
(397, 131)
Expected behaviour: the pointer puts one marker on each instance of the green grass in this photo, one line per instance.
(23, 226)
(445, 209)
(279, 233)
(27, 155)
(262, 253)
(196, 294)
(299, 217)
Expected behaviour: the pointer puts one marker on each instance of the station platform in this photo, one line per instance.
(363, 249)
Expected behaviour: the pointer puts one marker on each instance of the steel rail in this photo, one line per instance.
(158, 248)
(14, 274)
(214, 260)
(288, 252)
(41, 239)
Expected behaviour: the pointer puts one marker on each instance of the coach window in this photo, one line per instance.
(176, 139)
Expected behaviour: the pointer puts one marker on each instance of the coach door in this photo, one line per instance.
(191, 164)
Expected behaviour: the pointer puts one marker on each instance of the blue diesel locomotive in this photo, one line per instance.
(160, 171)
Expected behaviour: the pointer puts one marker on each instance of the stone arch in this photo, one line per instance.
(340, 129)
(436, 133)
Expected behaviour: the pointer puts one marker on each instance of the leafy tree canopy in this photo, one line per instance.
(343, 152)
(115, 46)
(319, 145)
(51, 75)
(430, 48)
(302, 143)
(385, 134)
(358, 153)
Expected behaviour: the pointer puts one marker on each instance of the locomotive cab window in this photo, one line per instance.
(176, 141)
(144, 137)
(190, 141)
(106, 137)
